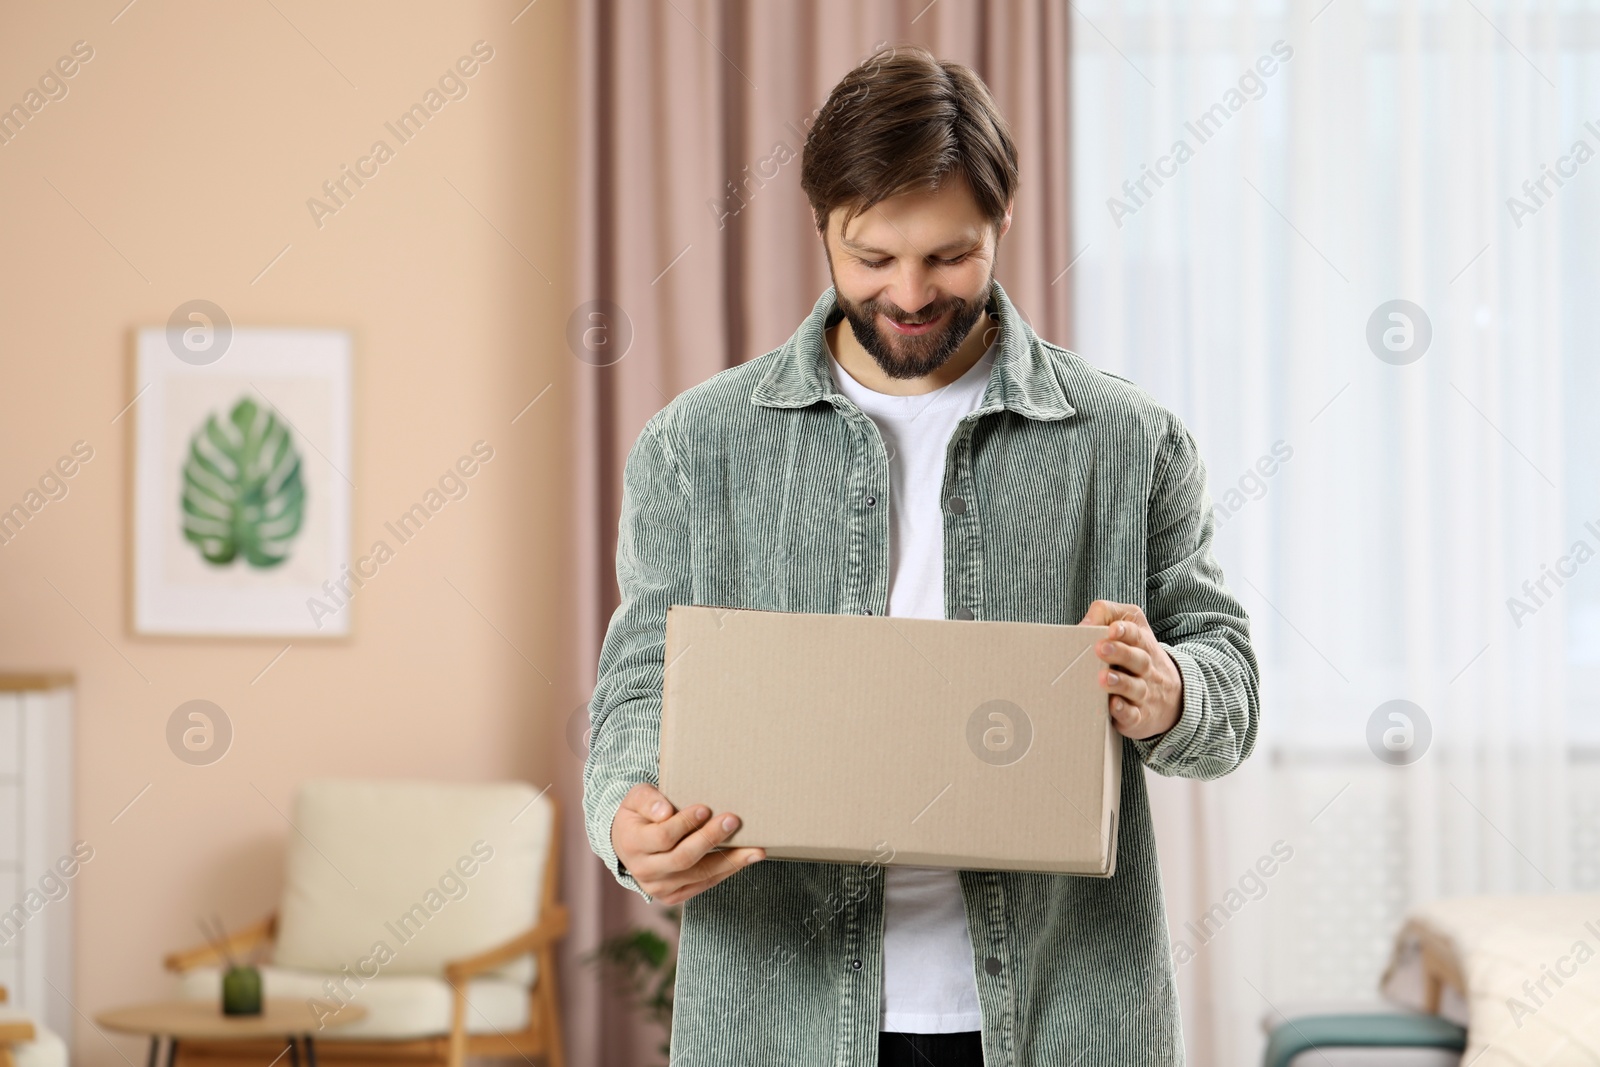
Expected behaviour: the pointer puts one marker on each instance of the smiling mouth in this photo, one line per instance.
(913, 329)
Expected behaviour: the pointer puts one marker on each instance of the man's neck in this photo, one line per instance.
(860, 365)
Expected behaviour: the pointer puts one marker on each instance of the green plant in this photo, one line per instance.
(242, 493)
(643, 965)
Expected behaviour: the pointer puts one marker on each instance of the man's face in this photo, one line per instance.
(913, 275)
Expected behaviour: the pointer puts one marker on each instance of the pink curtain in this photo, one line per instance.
(695, 251)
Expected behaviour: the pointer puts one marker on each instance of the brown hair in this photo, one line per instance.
(903, 121)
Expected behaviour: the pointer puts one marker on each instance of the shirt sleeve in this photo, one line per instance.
(653, 572)
(1199, 622)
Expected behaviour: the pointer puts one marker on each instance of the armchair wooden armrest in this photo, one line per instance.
(256, 934)
(551, 925)
(12, 1032)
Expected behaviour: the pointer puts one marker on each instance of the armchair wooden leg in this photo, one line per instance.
(6, 1059)
(556, 1056)
(457, 1056)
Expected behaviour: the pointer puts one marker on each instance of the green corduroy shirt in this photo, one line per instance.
(764, 487)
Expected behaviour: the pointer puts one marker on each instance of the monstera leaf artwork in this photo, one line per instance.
(242, 491)
(241, 501)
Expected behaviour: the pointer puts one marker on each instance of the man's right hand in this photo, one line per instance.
(669, 853)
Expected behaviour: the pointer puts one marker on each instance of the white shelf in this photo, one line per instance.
(36, 824)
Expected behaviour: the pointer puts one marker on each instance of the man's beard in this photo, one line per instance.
(899, 356)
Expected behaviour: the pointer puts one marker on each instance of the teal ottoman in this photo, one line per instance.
(1372, 1030)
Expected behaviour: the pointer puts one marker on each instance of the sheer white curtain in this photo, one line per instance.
(1255, 184)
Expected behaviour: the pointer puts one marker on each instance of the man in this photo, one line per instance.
(915, 449)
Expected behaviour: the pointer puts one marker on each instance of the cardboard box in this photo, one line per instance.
(929, 742)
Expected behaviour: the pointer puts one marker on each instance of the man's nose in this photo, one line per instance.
(913, 290)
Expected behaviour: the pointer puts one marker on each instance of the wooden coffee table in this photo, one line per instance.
(202, 1020)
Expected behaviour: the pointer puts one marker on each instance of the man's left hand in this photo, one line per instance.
(1145, 685)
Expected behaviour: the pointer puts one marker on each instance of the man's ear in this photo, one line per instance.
(1005, 223)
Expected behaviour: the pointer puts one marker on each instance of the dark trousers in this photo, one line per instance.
(930, 1050)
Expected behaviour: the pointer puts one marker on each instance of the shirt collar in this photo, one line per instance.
(1023, 378)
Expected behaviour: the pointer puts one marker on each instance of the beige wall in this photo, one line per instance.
(176, 167)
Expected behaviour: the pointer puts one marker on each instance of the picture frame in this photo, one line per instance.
(241, 480)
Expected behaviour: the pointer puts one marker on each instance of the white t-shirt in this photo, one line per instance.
(929, 985)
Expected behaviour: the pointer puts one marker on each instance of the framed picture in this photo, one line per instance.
(242, 481)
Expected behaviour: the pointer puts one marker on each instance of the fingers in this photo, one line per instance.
(671, 854)
(1127, 653)
(1128, 688)
(1128, 646)
(1129, 719)
(1106, 612)
(664, 836)
(1127, 662)
(1110, 612)
(710, 871)
(1125, 650)
(658, 854)
(1145, 706)
(648, 801)
(658, 827)
(694, 847)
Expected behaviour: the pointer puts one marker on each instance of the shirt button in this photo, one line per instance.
(872, 501)
(964, 612)
(958, 506)
(855, 965)
(991, 965)
(869, 611)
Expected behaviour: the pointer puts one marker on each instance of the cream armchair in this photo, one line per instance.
(432, 906)
(24, 1043)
